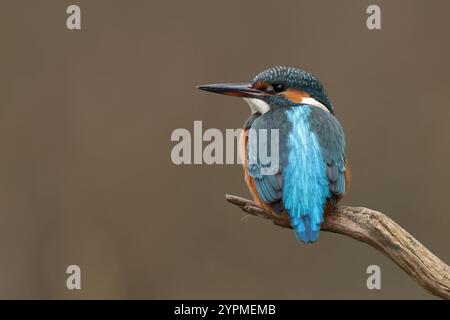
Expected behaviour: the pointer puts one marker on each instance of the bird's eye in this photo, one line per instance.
(278, 87)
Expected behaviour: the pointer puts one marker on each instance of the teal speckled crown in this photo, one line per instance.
(296, 78)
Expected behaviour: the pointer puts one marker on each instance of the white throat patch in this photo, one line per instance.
(257, 105)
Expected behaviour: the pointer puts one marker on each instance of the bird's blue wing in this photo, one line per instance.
(331, 139)
(267, 175)
(269, 187)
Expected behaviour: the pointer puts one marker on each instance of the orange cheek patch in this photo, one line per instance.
(295, 95)
(261, 85)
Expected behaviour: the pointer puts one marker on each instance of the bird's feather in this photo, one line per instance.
(331, 138)
(311, 165)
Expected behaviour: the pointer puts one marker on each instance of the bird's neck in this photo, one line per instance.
(313, 102)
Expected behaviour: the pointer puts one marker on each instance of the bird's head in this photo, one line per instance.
(277, 87)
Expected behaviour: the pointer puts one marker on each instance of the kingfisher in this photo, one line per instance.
(312, 173)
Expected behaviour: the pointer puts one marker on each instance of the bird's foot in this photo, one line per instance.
(282, 219)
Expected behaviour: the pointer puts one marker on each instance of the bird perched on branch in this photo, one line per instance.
(312, 173)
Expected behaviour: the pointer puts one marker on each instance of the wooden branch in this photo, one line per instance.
(382, 233)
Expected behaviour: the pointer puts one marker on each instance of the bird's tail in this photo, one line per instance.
(305, 231)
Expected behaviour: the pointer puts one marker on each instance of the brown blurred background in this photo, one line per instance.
(85, 122)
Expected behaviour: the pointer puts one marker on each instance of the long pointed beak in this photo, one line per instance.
(244, 90)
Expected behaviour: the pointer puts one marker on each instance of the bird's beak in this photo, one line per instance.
(243, 90)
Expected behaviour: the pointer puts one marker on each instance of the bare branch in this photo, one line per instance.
(382, 233)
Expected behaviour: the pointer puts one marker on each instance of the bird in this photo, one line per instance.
(313, 172)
